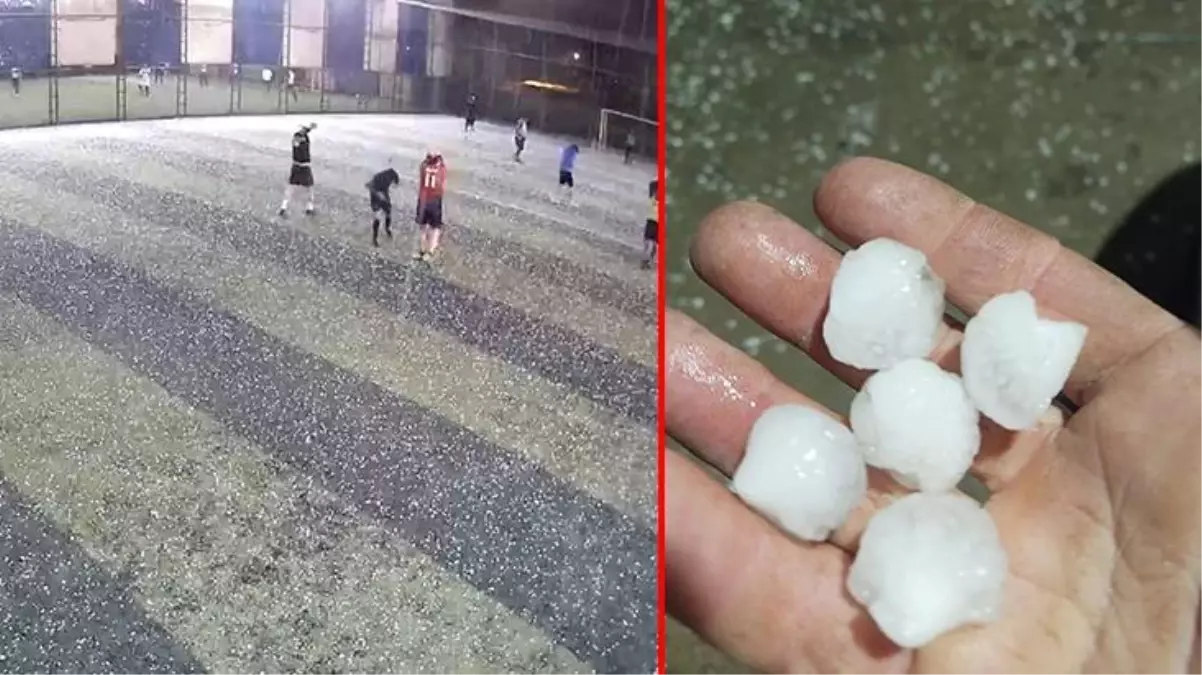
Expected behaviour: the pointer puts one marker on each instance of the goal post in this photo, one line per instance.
(615, 126)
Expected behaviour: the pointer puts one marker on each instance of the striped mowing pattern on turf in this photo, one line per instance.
(553, 288)
(223, 424)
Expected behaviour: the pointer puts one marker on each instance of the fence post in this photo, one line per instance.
(322, 102)
(52, 98)
(542, 95)
(119, 62)
(281, 99)
(181, 84)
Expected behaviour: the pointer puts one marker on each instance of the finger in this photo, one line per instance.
(779, 274)
(715, 392)
(981, 253)
(787, 293)
(776, 605)
(714, 395)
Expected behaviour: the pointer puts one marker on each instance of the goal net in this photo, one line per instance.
(617, 129)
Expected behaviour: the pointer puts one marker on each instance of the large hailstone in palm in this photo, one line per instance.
(927, 564)
(801, 470)
(886, 306)
(1014, 362)
(915, 421)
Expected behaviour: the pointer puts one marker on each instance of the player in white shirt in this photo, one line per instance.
(519, 139)
(144, 80)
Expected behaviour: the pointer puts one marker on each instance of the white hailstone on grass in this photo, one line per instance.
(928, 564)
(886, 306)
(802, 471)
(1014, 362)
(915, 421)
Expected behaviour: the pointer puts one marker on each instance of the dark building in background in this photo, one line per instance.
(630, 19)
(557, 63)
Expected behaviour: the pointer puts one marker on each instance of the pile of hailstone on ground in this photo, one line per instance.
(931, 561)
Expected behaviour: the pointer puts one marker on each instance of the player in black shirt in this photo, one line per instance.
(469, 118)
(381, 202)
(302, 171)
(651, 229)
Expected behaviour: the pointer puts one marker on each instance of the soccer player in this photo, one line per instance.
(15, 75)
(651, 230)
(302, 172)
(469, 117)
(432, 178)
(567, 164)
(203, 76)
(381, 202)
(292, 84)
(629, 147)
(519, 139)
(144, 80)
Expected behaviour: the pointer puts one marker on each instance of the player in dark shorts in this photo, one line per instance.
(519, 139)
(567, 164)
(381, 202)
(469, 116)
(301, 174)
(432, 179)
(651, 229)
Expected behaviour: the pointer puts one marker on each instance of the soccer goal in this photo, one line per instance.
(617, 127)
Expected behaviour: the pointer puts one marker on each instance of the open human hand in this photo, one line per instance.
(1099, 512)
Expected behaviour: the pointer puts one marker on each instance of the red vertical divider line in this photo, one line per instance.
(662, 299)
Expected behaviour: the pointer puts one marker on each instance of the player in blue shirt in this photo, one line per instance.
(567, 164)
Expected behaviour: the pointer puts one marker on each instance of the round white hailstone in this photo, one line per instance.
(1013, 362)
(915, 421)
(886, 306)
(801, 470)
(927, 564)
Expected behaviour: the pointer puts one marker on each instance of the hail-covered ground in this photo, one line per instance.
(233, 442)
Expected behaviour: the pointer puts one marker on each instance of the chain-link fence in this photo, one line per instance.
(92, 60)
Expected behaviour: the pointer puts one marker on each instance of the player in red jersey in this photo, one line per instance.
(432, 178)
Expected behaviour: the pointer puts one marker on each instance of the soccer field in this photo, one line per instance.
(233, 442)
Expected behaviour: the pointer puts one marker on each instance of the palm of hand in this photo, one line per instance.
(1102, 531)
(1099, 515)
